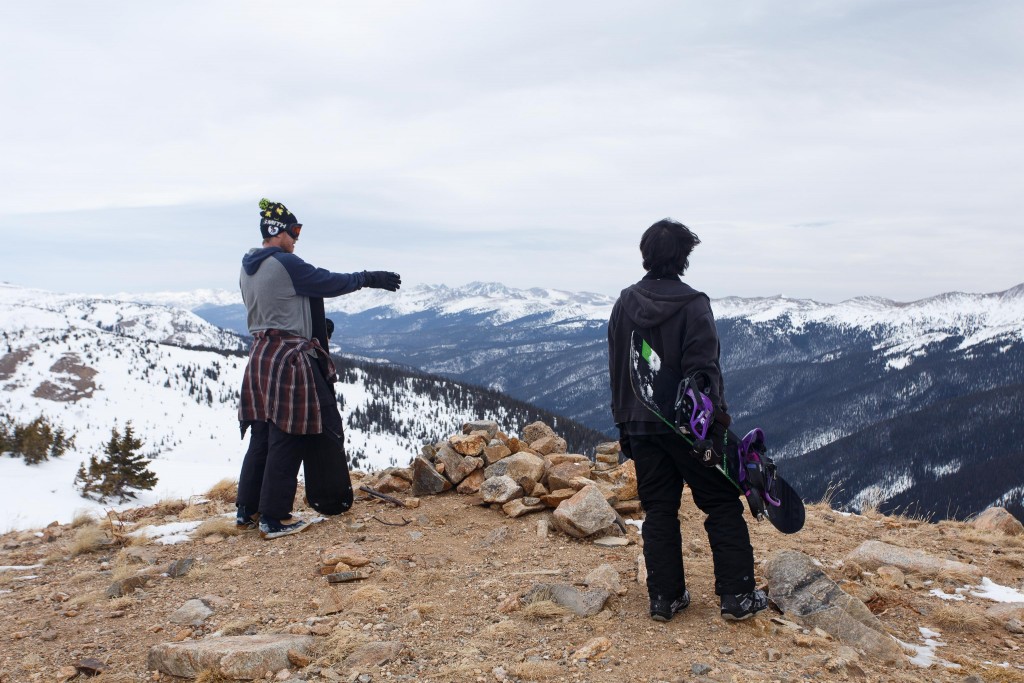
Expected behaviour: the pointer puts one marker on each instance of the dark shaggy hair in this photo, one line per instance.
(666, 248)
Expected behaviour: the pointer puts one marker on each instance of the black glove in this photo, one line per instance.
(330, 328)
(382, 279)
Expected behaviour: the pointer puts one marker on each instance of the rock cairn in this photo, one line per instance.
(520, 475)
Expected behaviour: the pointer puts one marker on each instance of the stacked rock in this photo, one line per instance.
(531, 473)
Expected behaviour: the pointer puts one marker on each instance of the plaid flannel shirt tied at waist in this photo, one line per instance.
(278, 384)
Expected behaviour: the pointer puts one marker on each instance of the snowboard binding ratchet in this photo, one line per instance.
(695, 413)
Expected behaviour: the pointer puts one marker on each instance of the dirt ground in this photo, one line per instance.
(447, 585)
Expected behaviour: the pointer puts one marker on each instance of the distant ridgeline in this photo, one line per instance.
(887, 404)
(443, 405)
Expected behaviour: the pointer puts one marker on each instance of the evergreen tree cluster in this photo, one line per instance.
(119, 473)
(33, 441)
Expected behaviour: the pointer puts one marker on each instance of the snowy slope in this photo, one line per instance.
(90, 364)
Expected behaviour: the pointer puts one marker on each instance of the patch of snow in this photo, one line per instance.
(924, 655)
(16, 568)
(168, 534)
(991, 590)
(942, 595)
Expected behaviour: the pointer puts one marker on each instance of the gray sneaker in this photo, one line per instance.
(663, 609)
(276, 528)
(744, 605)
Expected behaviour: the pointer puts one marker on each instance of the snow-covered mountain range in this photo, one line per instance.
(910, 405)
(89, 364)
(827, 380)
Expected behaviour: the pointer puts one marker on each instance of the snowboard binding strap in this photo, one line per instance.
(757, 473)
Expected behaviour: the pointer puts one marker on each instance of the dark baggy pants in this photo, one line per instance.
(270, 469)
(663, 465)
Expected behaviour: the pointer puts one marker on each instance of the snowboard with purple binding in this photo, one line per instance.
(680, 404)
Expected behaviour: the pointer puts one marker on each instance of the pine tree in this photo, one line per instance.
(33, 441)
(120, 473)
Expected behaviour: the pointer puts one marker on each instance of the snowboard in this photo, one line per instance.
(325, 470)
(324, 463)
(680, 404)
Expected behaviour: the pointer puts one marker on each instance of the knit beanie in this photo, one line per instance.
(275, 218)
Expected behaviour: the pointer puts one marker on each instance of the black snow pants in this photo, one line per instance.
(270, 469)
(663, 466)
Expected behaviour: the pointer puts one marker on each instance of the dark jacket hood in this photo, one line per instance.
(255, 257)
(651, 302)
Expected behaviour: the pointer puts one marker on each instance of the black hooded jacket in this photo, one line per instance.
(676, 317)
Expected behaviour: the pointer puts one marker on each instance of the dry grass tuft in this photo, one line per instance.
(194, 511)
(424, 608)
(827, 498)
(241, 627)
(88, 539)
(82, 577)
(123, 602)
(199, 572)
(959, 618)
(364, 598)
(956, 576)
(90, 598)
(167, 508)
(544, 609)
(122, 569)
(987, 673)
(82, 518)
(538, 671)
(499, 630)
(225, 526)
(340, 644)
(224, 491)
(390, 573)
(212, 676)
(851, 570)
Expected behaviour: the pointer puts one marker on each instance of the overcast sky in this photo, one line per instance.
(822, 149)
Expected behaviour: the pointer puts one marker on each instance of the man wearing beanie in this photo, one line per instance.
(288, 396)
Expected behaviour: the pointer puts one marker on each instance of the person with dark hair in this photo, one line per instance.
(287, 397)
(678, 318)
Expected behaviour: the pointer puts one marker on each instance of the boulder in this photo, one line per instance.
(468, 444)
(586, 513)
(873, 554)
(606, 577)
(552, 459)
(522, 506)
(472, 483)
(560, 476)
(194, 612)
(621, 480)
(453, 461)
(236, 657)
(392, 483)
(500, 490)
(582, 603)
(549, 444)
(426, 480)
(373, 655)
(518, 466)
(489, 426)
(998, 519)
(805, 594)
(495, 451)
(555, 498)
(534, 431)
